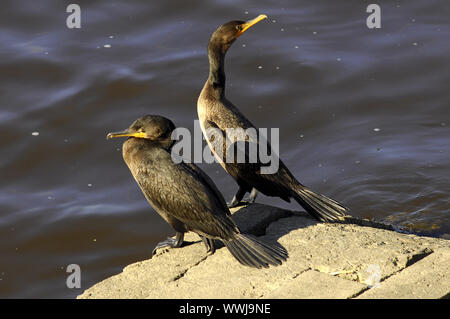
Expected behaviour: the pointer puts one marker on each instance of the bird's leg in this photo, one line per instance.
(238, 197)
(251, 198)
(170, 242)
(209, 243)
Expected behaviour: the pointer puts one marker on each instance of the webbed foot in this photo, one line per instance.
(170, 242)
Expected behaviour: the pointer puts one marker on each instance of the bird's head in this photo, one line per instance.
(151, 127)
(226, 34)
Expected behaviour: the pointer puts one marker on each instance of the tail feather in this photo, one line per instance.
(318, 205)
(242, 255)
(253, 252)
(267, 253)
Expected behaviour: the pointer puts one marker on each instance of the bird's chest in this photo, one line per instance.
(210, 129)
(202, 111)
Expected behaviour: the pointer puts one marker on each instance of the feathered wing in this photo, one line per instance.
(280, 184)
(247, 173)
(187, 194)
(216, 195)
(184, 193)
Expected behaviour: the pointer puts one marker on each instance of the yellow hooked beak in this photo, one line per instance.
(250, 23)
(126, 133)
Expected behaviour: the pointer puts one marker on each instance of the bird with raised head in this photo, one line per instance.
(216, 112)
(185, 197)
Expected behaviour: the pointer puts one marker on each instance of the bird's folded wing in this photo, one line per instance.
(189, 196)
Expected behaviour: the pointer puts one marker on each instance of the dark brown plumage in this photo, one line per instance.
(185, 196)
(215, 111)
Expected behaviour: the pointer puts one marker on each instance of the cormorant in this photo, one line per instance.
(185, 196)
(215, 111)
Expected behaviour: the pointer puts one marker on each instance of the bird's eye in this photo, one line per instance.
(239, 27)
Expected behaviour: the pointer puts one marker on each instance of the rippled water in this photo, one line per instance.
(364, 117)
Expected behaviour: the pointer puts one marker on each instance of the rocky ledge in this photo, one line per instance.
(351, 259)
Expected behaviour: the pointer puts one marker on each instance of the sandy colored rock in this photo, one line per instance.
(316, 285)
(339, 260)
(427, 278)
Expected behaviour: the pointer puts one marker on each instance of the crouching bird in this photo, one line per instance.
(216, 112)
(185, 196)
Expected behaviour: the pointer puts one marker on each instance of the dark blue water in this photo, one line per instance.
(364, 117)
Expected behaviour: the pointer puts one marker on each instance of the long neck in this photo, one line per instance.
(216, 69)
